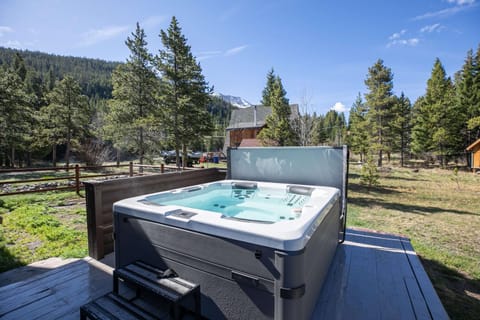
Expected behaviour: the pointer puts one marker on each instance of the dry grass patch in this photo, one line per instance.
(439, 210)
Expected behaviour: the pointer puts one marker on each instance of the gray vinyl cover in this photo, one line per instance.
(319, 166)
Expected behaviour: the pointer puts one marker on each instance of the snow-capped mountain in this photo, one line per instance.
(235, 101)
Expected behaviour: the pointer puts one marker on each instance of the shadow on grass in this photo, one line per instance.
(406, 208)
(7, 259)
(459, 295)
(373, 190)
(387, 177)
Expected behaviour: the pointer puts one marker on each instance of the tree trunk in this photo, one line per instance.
(380, 156)
(184, 155)
(141, 151)
(12, 161)
(401, 151)
(54, 155)
(67, 155)
(29, 159)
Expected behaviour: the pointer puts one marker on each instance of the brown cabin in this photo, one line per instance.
(246, 123)
(474, 150)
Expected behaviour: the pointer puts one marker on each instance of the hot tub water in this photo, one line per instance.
(238, 202)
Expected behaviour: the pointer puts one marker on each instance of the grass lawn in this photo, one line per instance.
(437, 209)
(440, 212)
(40, 226)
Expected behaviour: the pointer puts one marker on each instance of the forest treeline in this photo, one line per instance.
(53, 105)
(438, 126)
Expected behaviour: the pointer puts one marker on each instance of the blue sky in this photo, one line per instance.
(321, 49)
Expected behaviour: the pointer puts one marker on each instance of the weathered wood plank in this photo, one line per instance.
(56, 294)
(371, 277)
(332, 297)
(435, 307)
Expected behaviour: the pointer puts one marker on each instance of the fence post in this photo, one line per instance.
(130, 165)
(162, 168)
(77, 179)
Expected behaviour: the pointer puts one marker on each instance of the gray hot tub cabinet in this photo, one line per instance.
(243, 280)
(238, 280)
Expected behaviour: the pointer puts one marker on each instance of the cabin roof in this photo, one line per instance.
(246, 118)
(473, 145)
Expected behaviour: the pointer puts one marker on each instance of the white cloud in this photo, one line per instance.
(204, 55)
(15, 44)
(339, 107)
(94, 36)
(431, 28)
(4, 30)
(412, 42)
(236, 50)
(398, 39)
(397, 35)
(153, 22)
(461, 2)
(460, 5)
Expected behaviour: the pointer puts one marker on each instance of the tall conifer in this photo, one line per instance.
(436, 119)
(267, 91)
(184, 93)
(130, 121)
(379, 101)
(278, 130)
(66, 118)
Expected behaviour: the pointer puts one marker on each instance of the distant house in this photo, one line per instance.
(474, 150)
(246, 123)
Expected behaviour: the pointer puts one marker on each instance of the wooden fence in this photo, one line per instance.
(100, 196)
(79, 174)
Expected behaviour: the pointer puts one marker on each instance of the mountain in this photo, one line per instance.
(93, 75)
(235, 101)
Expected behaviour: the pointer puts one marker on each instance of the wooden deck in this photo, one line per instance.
(373, 276)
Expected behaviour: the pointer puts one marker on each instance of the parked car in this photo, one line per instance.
(169, 157)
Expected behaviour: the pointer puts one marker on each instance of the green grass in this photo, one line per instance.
(437, 209)
(41, 226)
(440, 212)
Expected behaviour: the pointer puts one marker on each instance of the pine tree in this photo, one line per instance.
(357, 137)
(278, 130)
(400, 125)
(267, 91)
(65, 120)
(435, 117)
(319, 134)
(184, 93)
(15, 113)
(379, 100)
(472, 95)
(334, 126)
(130, 120)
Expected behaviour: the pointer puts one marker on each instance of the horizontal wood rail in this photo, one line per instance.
(78, 177)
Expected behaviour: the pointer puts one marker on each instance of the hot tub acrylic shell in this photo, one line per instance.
(241, 275)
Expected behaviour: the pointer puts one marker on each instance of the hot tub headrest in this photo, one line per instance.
(244, 185)
(305, 191)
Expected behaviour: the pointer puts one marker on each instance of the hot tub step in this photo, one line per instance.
(112, 306)
(164, 283)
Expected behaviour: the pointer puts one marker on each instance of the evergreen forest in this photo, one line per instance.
(54, 108)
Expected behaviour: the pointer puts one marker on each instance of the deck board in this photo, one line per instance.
(377, 276)
(372, 276)
(56, 294)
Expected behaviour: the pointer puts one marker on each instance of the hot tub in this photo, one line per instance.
(257, 249)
